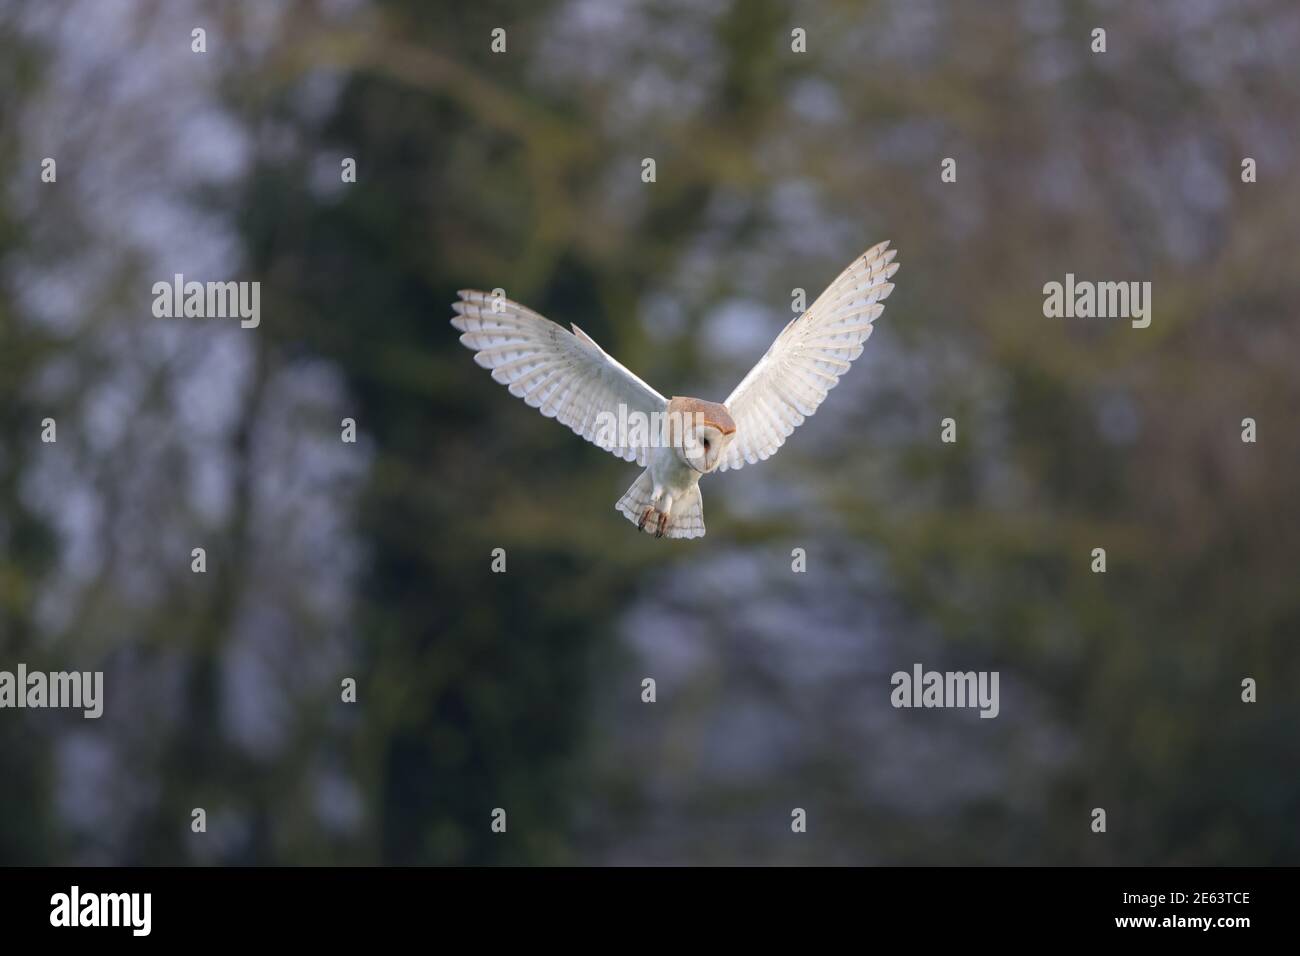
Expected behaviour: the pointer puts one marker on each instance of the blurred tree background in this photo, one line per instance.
(522, 170)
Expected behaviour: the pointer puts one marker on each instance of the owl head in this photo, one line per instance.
(701, 432)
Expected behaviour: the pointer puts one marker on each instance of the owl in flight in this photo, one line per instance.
(567, 376)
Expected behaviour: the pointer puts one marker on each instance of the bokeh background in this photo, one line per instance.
(523, 690)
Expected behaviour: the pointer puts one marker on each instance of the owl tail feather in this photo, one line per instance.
(686, 520)
(637, 499)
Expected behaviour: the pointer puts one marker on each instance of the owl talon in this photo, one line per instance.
(640, 525)
(663, 525)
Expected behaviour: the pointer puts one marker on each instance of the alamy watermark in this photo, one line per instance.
(922, 688)
(630, 428)
(76, 689)
(212, 300)
(1098, 300)
(75, 908)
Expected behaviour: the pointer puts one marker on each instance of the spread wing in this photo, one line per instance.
(564, 375)
(807, 359)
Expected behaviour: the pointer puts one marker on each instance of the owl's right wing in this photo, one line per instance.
(564, 375)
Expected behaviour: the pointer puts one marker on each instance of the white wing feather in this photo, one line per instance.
(564, 375)
(807, 359)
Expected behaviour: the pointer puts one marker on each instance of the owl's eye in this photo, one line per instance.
(706, 444)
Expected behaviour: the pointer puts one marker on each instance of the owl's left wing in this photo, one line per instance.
(807, 359)
(564, 375)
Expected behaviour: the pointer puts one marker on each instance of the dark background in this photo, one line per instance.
(522, 690)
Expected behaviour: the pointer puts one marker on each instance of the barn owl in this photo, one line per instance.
(567, 376)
